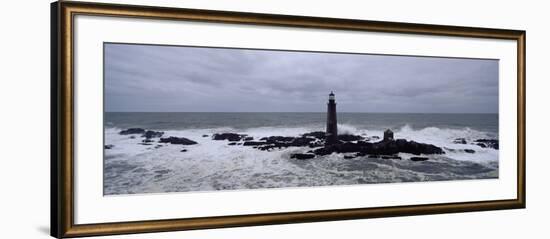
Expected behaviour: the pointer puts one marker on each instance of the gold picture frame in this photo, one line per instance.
(62, 121)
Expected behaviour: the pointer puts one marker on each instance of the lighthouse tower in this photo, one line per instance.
(332, 127)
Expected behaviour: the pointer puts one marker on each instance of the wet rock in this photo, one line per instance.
(389, 157)
(470, 151)
(132, 131)
(374, 137)
(349, 137)
(360, 154)
(279, 142)
(316, 145)
(177, 140)
(323, 151)
(147, 141)
(254, 143)
(275, 139)
(302, 156)
(109, 146)
(228, 136)
(416, 159)
(349, 156)
(249, 138)
(487, 143)
(381, 148)
(149, 134)
(460, 141)
(232, 143)
(183, 150)
(204, 135)
(405, 146)
(302, 141)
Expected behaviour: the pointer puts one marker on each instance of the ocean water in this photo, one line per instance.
(210, 165)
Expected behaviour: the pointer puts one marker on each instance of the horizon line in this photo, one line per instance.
(299, 112)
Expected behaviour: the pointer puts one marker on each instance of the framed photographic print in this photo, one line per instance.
(170, 119)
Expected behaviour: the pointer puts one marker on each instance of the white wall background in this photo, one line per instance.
(24, 99)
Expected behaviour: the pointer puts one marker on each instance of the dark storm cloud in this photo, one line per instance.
(162, 78)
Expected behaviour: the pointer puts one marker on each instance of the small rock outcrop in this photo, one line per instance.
(228, 136)
(277, 139)
(382, 148)
(177, 140)
(487, 143)
(349, 137)
(149, 134)
(418, 159)
(254, 143)
(132, 131)
(470, 151)
(391, 157)
(302, 156)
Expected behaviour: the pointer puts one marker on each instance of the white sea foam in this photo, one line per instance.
(349, 129)
(214, 165)
(444, 138)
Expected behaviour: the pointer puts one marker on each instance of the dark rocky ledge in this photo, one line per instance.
(350, 137)
(418, 159)
(149, 134)
(228, 136)
(487, 143)
(132, 131)
(177, 140)
(302, 156)
(351, 145)
(484, 143)
(387, 147)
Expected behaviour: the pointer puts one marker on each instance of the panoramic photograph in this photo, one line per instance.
(190, 119)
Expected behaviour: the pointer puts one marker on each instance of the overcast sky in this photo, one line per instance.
(145, 78)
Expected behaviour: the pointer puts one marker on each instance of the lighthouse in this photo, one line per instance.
(332, 127)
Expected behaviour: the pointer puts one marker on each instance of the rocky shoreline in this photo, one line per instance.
(351, 146)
